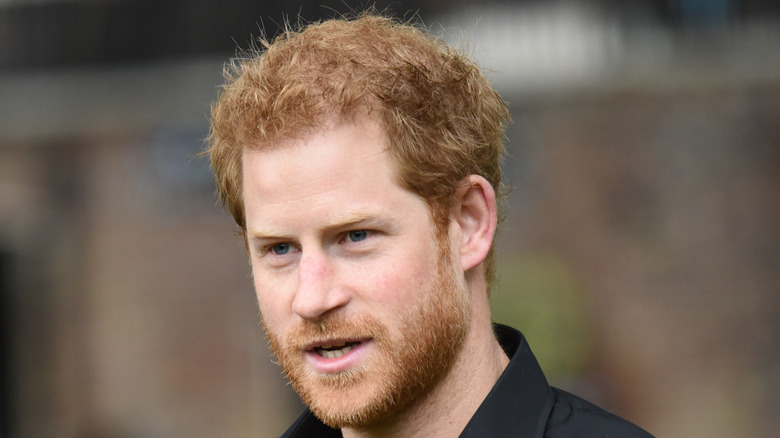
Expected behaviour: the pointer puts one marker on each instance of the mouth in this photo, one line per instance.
(335, 350)
(336, 355)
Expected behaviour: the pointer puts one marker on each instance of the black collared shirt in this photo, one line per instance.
(521, 404)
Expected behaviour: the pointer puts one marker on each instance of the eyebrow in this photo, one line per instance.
(368, 218)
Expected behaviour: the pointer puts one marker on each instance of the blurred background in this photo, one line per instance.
(641, 253)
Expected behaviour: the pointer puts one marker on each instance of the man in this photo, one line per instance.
(360, 158)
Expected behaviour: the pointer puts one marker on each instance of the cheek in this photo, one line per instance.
(398, 283)
(273, 304)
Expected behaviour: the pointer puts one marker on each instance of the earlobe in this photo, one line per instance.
(476, 214)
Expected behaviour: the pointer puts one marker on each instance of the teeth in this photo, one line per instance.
(332, 354)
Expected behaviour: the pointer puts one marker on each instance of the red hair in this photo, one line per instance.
(443, 121)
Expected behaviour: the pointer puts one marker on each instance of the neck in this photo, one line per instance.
(447, 409)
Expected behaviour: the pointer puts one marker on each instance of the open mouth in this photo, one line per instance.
(333, 351)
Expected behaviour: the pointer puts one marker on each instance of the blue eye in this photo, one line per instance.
(281, 248)
(357, 235)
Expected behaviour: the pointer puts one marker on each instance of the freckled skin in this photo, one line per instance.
(397, 287)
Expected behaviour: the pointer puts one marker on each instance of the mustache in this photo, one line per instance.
(335, 328)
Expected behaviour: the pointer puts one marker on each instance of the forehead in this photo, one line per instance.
(342, 163)
(333, 146)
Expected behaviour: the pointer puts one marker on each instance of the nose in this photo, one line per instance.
(318, 291)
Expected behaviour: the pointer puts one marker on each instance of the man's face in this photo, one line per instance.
(357, 293)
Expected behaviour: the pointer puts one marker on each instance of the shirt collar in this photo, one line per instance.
(520, 401)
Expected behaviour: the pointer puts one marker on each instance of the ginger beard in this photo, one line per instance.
(407, 362)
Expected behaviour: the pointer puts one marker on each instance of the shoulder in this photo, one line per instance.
(574, 417)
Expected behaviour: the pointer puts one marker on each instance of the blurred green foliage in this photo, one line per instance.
(541, 297)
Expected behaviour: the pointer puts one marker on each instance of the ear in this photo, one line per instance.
(475, 212)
